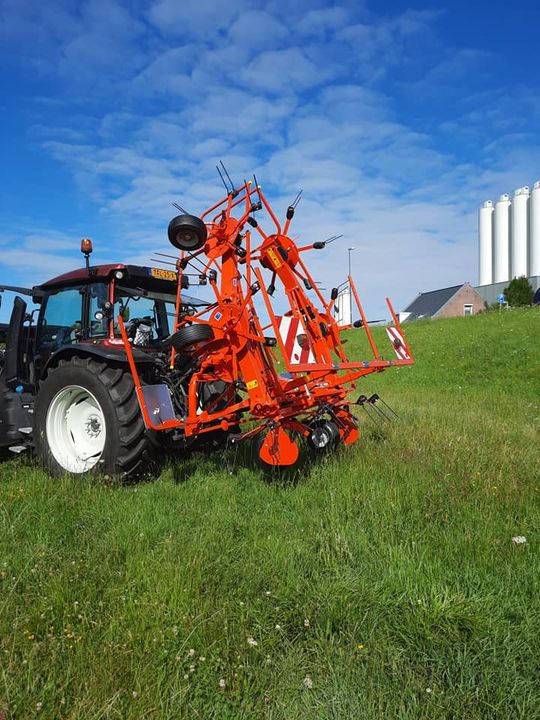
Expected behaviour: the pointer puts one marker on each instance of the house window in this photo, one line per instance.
(467, 309)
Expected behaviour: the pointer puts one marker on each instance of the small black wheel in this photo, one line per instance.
(87, 420)
(324, 435)
(187, 232)
(188, 336)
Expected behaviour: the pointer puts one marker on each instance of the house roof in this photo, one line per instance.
(429, 303)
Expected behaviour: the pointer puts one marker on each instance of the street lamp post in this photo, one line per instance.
(350, 288)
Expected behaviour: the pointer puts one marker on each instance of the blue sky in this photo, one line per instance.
(396, 119)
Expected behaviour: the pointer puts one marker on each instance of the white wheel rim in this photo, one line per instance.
(76, 430)
(320, 437)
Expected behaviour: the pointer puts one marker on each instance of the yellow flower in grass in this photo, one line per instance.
(360, 646)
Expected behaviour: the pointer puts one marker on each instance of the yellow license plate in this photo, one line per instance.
(163, 274)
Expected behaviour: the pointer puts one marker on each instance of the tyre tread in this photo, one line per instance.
(133, 457)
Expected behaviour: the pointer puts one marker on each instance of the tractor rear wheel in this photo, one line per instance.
(87, 420)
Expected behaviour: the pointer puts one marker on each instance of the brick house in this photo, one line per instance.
(453, 301)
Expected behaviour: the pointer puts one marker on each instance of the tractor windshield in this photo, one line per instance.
(136, 304)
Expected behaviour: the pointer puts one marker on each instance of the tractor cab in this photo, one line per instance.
(80, 310)
(75, 316)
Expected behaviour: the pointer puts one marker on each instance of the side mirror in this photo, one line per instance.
(334, 294)
(124, 313)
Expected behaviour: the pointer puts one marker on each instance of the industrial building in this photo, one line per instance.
(509, 247)
(509, 242)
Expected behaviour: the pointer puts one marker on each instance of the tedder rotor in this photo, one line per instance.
(235, 355)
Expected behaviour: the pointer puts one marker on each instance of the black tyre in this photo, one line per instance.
(87, 420)
(189, 336)
(187, 232)
(324, 435)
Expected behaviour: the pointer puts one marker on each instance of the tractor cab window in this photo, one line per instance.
(145, 313)
(61, 321)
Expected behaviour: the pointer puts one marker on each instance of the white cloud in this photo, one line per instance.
(30, 256)
(320, 22)
(278, 71)
(105, 50)
(194, 19)
(257, 29)
(169, 73)
(305, 98)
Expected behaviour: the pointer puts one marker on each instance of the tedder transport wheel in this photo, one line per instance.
(189, 337)
(324, 436)
(87, 419)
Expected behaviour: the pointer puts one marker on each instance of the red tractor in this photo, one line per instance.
(65, 384)
(121, 362)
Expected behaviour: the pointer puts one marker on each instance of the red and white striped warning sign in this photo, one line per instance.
(398, 343)
(296, 342)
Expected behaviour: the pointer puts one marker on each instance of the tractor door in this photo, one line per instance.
(15, 369)
(61, 322)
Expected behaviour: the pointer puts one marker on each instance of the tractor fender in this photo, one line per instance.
(95, 351)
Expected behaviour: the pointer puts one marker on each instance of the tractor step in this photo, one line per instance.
(18, 449)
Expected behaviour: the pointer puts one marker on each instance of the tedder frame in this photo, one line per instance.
(231, 252)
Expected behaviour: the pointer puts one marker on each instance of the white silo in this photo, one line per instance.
(501, 240)
(485, 243)
(534, 234)
(519, 233)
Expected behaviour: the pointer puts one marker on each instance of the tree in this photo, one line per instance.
(519, 292)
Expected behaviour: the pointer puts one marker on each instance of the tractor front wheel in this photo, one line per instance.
(87, 420)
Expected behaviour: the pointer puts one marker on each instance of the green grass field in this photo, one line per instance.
(381, 582)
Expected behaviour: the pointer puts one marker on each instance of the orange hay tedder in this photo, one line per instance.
(227, 348)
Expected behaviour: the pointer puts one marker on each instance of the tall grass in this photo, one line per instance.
(379, 582)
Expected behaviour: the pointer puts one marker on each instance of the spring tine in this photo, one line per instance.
(162, 262)
(381, 413)
(377, 418)
(227, 174)
(372, 401)
(332, 239)
(223, 180)
(257, 187)
(297, 199)
(369, 415)
(394, 413)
